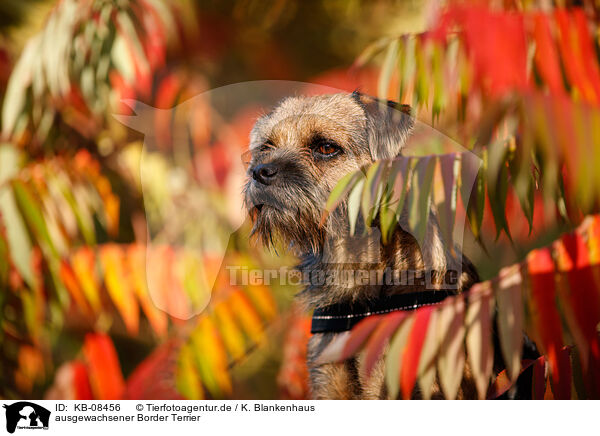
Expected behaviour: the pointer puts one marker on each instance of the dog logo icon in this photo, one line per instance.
(26, 415)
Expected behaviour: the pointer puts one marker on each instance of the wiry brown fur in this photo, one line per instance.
(289, 209)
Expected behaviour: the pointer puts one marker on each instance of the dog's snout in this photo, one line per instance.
(265, 173)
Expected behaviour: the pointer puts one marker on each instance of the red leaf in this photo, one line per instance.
(81, 383)
(104, 369)
(581, 299)
(586, 45)
(380, 337)
(503, 382)
(490, 36)
(359, 335)
(166, 95)
(562, 386)
(546, 57)
(159, 368)
(539, 378)
(412, 351)
(546, 318)
(572, 55)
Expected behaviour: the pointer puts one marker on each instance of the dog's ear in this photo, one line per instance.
(388, 125)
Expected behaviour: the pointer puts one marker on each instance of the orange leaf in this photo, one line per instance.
(83, 263)
(164, 284)
(137, 266)
(72, 285)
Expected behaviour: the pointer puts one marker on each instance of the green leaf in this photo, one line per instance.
(419, 196)
(387, 69)
(472, 190)
(370, 51)
(395, 194)
(15, 98)
(423, 81)
(340, 191)
(439, 85)
(520, 166)
(370, 203)
(450, 166)
(33, 215)
(354, 204)
(408, 63)
(497, 180)
(4, 260)
(79, 207)
(16, 231)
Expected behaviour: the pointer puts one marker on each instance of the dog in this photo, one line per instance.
(299, 152)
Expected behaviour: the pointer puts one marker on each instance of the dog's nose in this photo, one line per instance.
(264, 173)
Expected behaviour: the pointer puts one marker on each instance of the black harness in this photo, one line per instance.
(342, 317)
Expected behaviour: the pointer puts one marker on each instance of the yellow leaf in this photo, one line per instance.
(510, 319)
(83, 263)
(426, 371)
(451, 360)
(187, 379)
(246, 315)
(232, 335)
(113, 262)
(263, 299)
(479, 336)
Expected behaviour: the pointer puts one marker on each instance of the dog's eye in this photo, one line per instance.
(327, 149)
(268, 145)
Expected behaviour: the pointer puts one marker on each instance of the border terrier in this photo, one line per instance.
(299, 151)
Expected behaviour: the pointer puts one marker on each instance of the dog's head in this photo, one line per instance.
(302, 148)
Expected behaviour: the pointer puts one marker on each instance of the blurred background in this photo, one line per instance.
(100, 297)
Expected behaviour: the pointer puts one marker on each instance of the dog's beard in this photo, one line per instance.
(290, 215)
